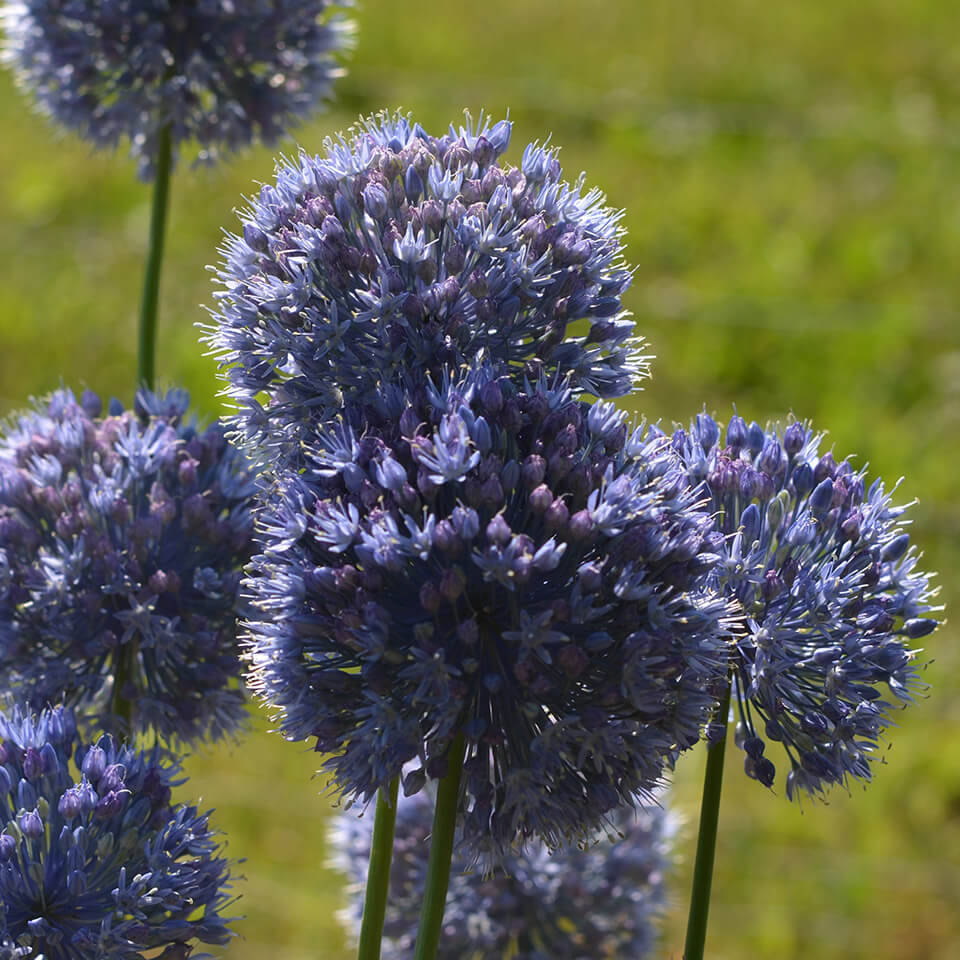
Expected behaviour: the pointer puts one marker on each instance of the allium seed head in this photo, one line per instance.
(121, 543)
(830, 590)
(397, 254)
(221, 72)
(410, 590)
(105, 866)
(601, 899)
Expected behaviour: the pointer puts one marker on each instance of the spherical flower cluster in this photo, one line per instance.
(397, 255)
(831, 593)
(220, 72)
(95, 860)
(516, 568)
(601, 899)
(121, 543)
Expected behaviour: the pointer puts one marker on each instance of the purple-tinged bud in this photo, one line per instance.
(445, 537)
(466, 522)
(557, 515)
(771, 459)
(794, 438)
(581, 525)
(91, 403)
(822, 496)
(510, 476)
(749, 483)
(491, 396)
(69, 805)
(498, 531)
(920, 627)
(454, 258)
(113, 777)
(8, 847)
(850, 528)
(826, 467)
(534, 470)
(895, 549)
(541, 498)
(468, 632)
(375, 200)
(32, 764)
(760, 769)
(453, 583)
(708, 433)
(755, 438)
(803, 479)
(590, 578)
(750, 522)
(76, 883)
(412, 184)
(94, 763)
(110, 804)
(736, 432)
(31, 824)
(772, 586)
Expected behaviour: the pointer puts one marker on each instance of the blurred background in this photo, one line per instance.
(791, 180)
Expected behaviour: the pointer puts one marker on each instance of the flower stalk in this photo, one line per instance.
(378, 877)
(707, 839)
(147, 334)
(441, 854)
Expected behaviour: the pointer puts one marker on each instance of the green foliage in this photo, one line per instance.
(789, 176)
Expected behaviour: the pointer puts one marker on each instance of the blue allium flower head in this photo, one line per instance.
(515, 567)
(601, 899)
(832, 597)
(220, 72)
(397, 254)
(121, 543)
(96, 862)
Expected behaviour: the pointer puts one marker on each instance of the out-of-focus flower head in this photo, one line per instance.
(514, 567)
(832, 596)
(396, 255)
(95, 859)
(222, 73)
(121, 543)
(600, 899)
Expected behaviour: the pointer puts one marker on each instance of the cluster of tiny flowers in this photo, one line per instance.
(397, 255)
(513, 567)
(95, 860)
(830, 590)
(599, 900)
(220, 72)
(121, 544)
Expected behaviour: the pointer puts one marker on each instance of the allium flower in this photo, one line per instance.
(221, 72)
(603, 899)
(831, 591)
(398, 254)
(513, 567)
(96, 863)
(121, 543)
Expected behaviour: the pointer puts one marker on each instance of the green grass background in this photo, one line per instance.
(791, 180)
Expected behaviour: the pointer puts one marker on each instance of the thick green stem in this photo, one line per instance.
(706, 841)
(378, 876)
(441, 853)
(147, 337)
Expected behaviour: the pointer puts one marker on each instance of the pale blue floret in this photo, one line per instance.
(490, 564)
(394, 257)
(828, 582)
(95, 859)
(222, 73)
(122, 540)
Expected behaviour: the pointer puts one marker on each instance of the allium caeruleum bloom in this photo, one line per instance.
(831, 591)
(397, 254)
(96, 863)
(602, 899)
(514, 567)
(121, 543)
(220, 72)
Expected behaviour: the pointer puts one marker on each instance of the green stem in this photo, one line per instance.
(706, 841)
(441, 853)
(378, 876)
(122, 707)
(147, 337)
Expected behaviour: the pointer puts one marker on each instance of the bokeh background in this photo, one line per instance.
(791, 176)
